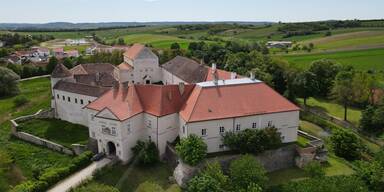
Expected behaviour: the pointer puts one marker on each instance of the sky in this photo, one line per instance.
(43, 11)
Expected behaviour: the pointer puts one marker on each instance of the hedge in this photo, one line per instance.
(53, 175)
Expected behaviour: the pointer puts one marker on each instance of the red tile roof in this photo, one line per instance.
(134, 99)
(134, 51)
(125, 66)
(223, 75)
(220, 102)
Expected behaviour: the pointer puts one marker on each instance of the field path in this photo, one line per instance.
(77, 178)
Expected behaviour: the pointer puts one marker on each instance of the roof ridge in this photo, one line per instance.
(194, 106)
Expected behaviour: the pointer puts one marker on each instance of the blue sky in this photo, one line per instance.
(41, 11)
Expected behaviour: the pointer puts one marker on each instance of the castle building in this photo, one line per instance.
(121, 105)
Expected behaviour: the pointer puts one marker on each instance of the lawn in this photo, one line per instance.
(127, 178)
(61, 132)
(371, 59)
(334, 109)
(27, 158)
(313, 129)
(335, 166)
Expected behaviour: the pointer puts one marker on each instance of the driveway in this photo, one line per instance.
(77, 178)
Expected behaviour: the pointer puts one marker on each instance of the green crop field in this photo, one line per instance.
(352, 40)
(372, 59)
(157, 41)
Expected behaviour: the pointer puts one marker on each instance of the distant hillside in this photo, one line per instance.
(85, 26)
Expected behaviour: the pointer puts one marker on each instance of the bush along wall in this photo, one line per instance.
(53, 175)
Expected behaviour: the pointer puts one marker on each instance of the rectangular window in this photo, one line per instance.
(204, 132)
(58, 96)
(69, 99)
(149, 124)
(221, 146)
(75, 100)
(254, 125)
(221, 129)
(183, 129)
(270, 123)
(238, 127)
(129, 129)
(63, 98)
(113, 132)
(81, 101)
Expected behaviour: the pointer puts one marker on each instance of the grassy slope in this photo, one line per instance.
(360, 59)
(349, 40)
(127, 178)
(26, 156)
(334, 109)
(58, 131)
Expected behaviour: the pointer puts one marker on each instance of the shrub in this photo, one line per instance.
(203, 183)
(8, 82)
(372, 173)
(20, 100)
(192, 150)
(253, 140)
(95, 187)
(245, 171)
(149, 187)
(334, 184)
(314, 169)
(214, 170)
(54, 175)
(146, 152)
(346, 145)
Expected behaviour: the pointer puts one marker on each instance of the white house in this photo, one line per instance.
(120, 105)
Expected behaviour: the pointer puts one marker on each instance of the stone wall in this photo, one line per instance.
(40, 141)
(272, 160)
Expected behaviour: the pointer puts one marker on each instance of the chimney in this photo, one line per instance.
(233, 75)
(181, 88)
(252, 76)
(214, 74)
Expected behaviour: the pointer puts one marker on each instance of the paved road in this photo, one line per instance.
(77, 178)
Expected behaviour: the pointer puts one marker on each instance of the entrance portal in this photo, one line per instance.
(111, 148)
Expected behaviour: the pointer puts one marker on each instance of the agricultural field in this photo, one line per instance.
(157, 41)
(371, 59)
(349, 41)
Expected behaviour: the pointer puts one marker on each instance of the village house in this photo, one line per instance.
(279, 44)
(121, 105)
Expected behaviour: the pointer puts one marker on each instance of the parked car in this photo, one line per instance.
(98, 156)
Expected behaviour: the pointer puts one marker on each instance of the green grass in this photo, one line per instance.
(334, 109)
(27, 157)
(302, 141)
(157, 41)
(337, 166)
(371, 59)
(127, 178)
(61, 132)
(313, 129)
(286, 175)
(361, 39)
